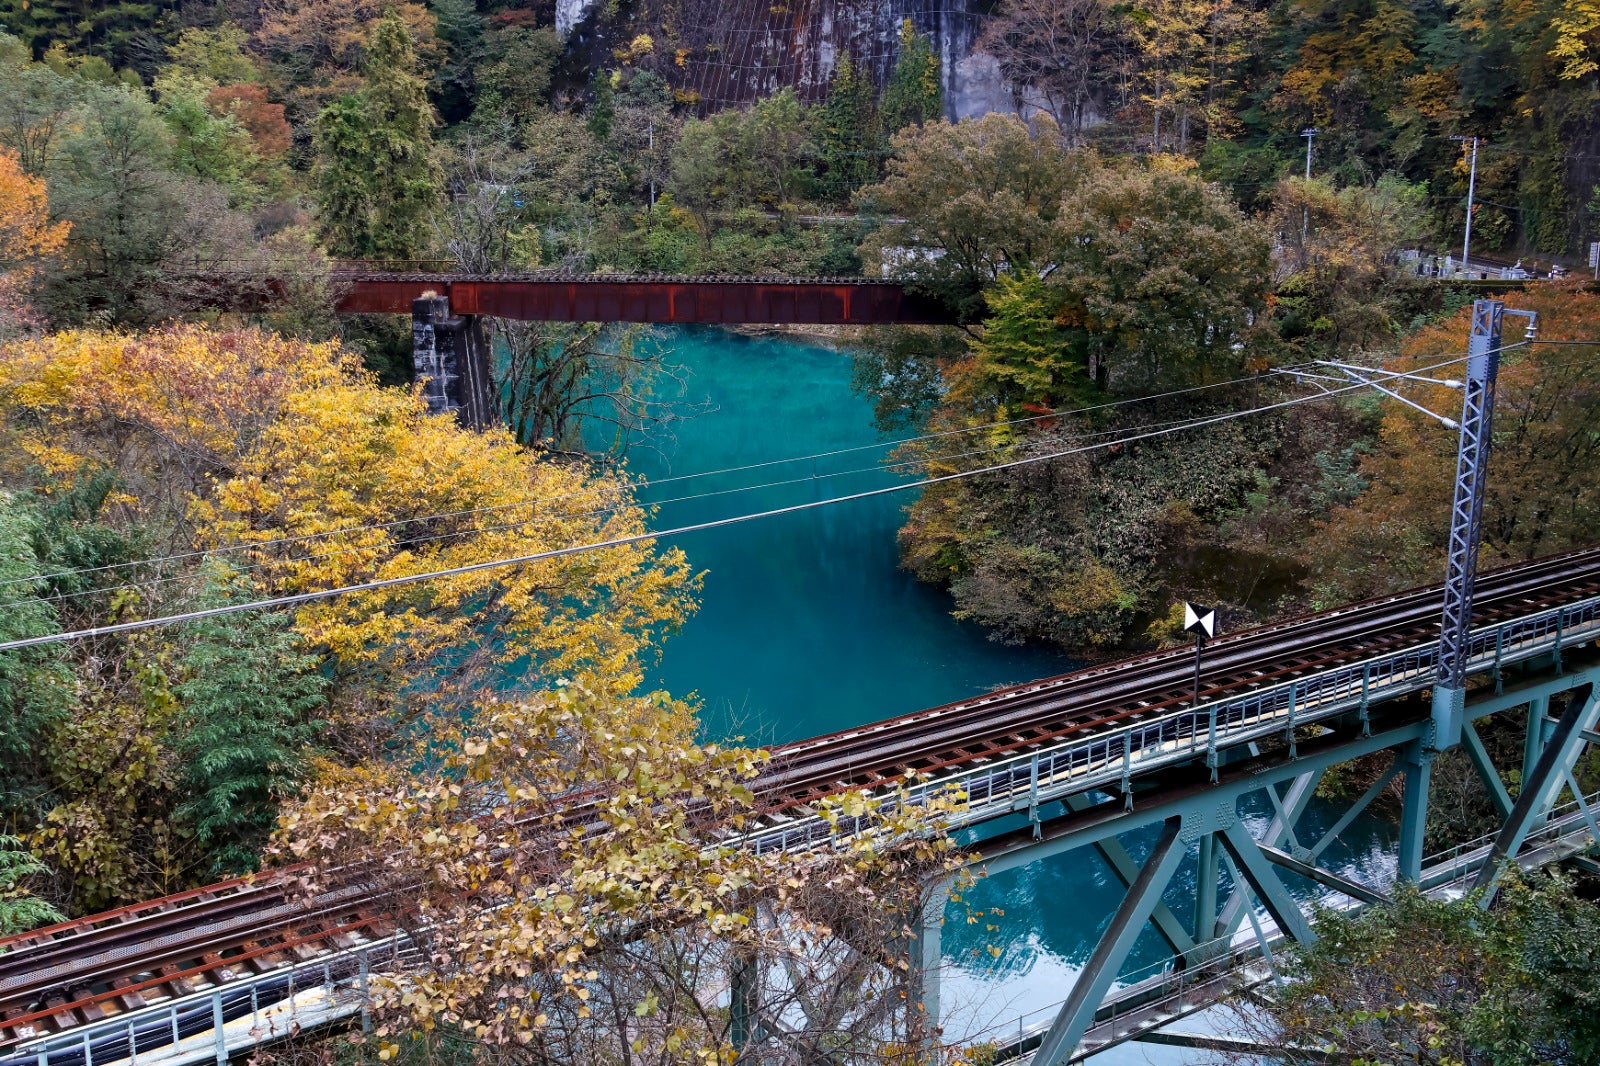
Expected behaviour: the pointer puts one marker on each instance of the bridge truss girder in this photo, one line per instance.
(1194, 815)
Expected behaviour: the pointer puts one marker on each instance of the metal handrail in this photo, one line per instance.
(1078, 764)
(165, 1025)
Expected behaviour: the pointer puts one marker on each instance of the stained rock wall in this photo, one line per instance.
(729, 52)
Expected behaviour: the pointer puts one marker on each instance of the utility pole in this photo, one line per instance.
(652, 164)
(1466, 515)
(1310, 134)
(1472, 182)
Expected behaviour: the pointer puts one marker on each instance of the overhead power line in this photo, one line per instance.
(644, 484)
(656, 535)
(556, 516)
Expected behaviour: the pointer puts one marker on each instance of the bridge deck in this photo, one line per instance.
(626, 298)
(1126, 716)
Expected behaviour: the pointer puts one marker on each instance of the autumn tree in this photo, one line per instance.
(1336, 264)
(164, 444)
(1055, 55)
(1539, 497)
(1187, 51)
(26, 236)
(322, 48)
(979, 198)
(1163, 279)
(377, 179)
(572, 866)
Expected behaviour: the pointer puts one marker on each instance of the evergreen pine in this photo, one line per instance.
(377, 179)
(247, 696)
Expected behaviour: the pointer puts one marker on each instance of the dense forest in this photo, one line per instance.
(1135, 248)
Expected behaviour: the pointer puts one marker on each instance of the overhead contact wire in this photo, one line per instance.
(656, 535)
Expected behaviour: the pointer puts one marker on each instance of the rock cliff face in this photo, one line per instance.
(726, 52)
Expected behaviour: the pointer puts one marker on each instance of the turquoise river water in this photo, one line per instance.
(809, 626)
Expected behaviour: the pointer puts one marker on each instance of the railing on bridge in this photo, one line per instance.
(1113, 757)
(258, 1007)
(210, 1024)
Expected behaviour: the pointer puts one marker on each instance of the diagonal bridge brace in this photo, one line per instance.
(1566, 741)
(1077, 1013)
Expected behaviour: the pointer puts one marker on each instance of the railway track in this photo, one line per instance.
(64, 976)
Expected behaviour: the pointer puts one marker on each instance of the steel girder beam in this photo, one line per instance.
(1077, 1013)
(1207, 871)
(1233, 1047)
(1373, 791)
(1486, 770)
(1288, 811)
(930, 950)
(1269, 888)
(1116, 856)
(1533, 744)
(1327, 878)
(1540, 789)
(1109, 819)
(1583, 804)
(744, 1001)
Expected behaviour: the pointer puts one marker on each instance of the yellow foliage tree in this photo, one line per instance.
(357, 483)
(321, 45)
(26, 234)
(1541, 496)
(309, 475)
(26, 231)
(571, 863)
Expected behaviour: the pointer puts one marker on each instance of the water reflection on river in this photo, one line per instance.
(808, 626)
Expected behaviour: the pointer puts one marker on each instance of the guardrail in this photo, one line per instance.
(1454, 869)
(165, 1032)
(157, 1032)
(1073, 766)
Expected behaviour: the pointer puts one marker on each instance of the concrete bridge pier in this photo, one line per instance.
(450, 355)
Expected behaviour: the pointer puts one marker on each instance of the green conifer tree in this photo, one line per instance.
(1024, 357)
(377, 178)
(20, 910)
(915, 93)
(36, 691)
(247, 696)
(847, 133)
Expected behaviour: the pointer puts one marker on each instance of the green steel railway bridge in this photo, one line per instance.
(1163, 747)
(1082, 762)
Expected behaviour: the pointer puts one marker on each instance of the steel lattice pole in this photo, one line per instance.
(1472, 464)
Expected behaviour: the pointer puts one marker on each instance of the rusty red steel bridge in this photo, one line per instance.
(838, 301)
